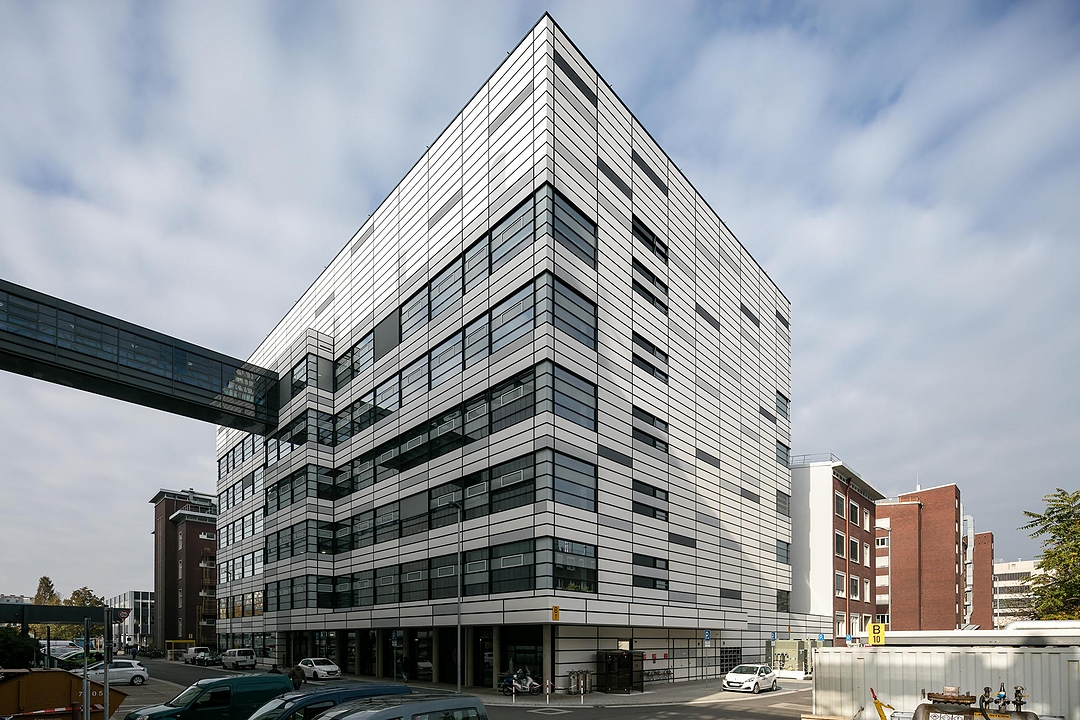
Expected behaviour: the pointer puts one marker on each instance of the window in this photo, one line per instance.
(414, 380)
(649, 561)
(783, 601)
(853, 550)
(783, 503)
(839, 503)
(853, 583)
(650, 369)
(512, 318)
(783, 552)
(650, 583)
(649, 275)
(476, 340)
(838, 544)
(414, 314)
(783, 453)
(881, 541)
(840, 584)
(853, 514)
(647, 417)
(575, 482)
(650, 511)
(573, 230)
(841, 623)
(575, 398)
(180, 597)
(884, 619)
(575, 566)
(512, 567)
(783, 405)
(866, 590)
(476, 263)
(511, 235)
(649, 440)
(575, 315)
(446, 360)
(649, 239)
(650, 348)
(447, 288)
(866, 554)
(180, 568)
(649, 490)
(649, 297)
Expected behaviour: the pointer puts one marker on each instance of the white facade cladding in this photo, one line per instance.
(546, 324)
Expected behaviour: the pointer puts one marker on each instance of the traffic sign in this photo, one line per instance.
(877, 633)
(555, 613)
(848, 638)
(123, 613)
(708, 638)
(393, 637)
(821, 637)
(772, 635)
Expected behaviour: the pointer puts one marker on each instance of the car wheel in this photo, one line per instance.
(757, 689)
(137, 680)
(773, 685)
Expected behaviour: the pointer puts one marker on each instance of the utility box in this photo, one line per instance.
(52, 694)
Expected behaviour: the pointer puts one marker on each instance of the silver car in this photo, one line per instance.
(319, 668)
(120, 672)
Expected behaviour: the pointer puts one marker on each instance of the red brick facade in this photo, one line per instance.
(982, 591)
(925, 570)
(853, 608)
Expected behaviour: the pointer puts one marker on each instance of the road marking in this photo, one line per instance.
(550, 711)
(790, 706)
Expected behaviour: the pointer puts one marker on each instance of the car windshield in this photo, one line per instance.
(186, 696)
(96, 666)
(321, 661)
(272, 709)
(745, 670)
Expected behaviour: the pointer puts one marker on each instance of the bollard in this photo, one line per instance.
(581, 684)
(513, 692)
(547, 692)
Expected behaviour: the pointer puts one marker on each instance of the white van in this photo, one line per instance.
(189, 655)
(238, 658)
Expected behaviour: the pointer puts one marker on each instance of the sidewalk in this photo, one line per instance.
(681, 693)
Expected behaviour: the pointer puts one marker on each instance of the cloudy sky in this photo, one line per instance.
(908, 173)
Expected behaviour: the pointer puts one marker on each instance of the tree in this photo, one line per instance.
(1056, 593)
(16, 650)
(85, 597)
(46, 595)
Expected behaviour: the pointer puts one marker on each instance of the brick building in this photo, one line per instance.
(832, 536)
(185, 549)
(920, 560)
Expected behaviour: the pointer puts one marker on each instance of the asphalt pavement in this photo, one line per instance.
(174, 671)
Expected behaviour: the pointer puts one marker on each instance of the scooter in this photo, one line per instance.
(520, 683)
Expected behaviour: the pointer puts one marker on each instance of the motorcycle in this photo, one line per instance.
(520, 683)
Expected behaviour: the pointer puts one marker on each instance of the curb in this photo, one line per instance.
(734, 697)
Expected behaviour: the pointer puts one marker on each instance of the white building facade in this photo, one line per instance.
(1012, 599)
(138, 627)
(545, 326)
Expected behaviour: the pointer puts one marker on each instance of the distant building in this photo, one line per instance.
(185, 579)
(981, 581)
(1012, 598)
(832, 536)
(921, 560)
(16, 599)
(138, 628)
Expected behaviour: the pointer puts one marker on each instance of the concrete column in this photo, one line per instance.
(380, 661)
(436, 668)
(496, 656)
(547, 667)
(467, 656)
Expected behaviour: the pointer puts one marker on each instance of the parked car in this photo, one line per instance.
(57, 648)
(306, 704)
(319, 668)
(120, 671)
(189, 655)
(394, 707)
(222, 698)
(238, 658)
(207, 657)
(750, 678)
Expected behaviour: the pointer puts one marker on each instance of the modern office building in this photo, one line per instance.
(138, 627)
(1012, 597)
(544, 330)
(185, 547)
(921, 560)
(833, 512)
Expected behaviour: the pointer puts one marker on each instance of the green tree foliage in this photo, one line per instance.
(85, 597)
(16, 650)
(1056, 593)
(46, 595)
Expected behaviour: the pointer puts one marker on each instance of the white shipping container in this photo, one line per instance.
(901, 675)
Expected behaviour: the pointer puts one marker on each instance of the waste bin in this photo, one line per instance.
(25, 693)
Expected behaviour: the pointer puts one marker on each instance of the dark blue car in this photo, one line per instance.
(306, 704)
